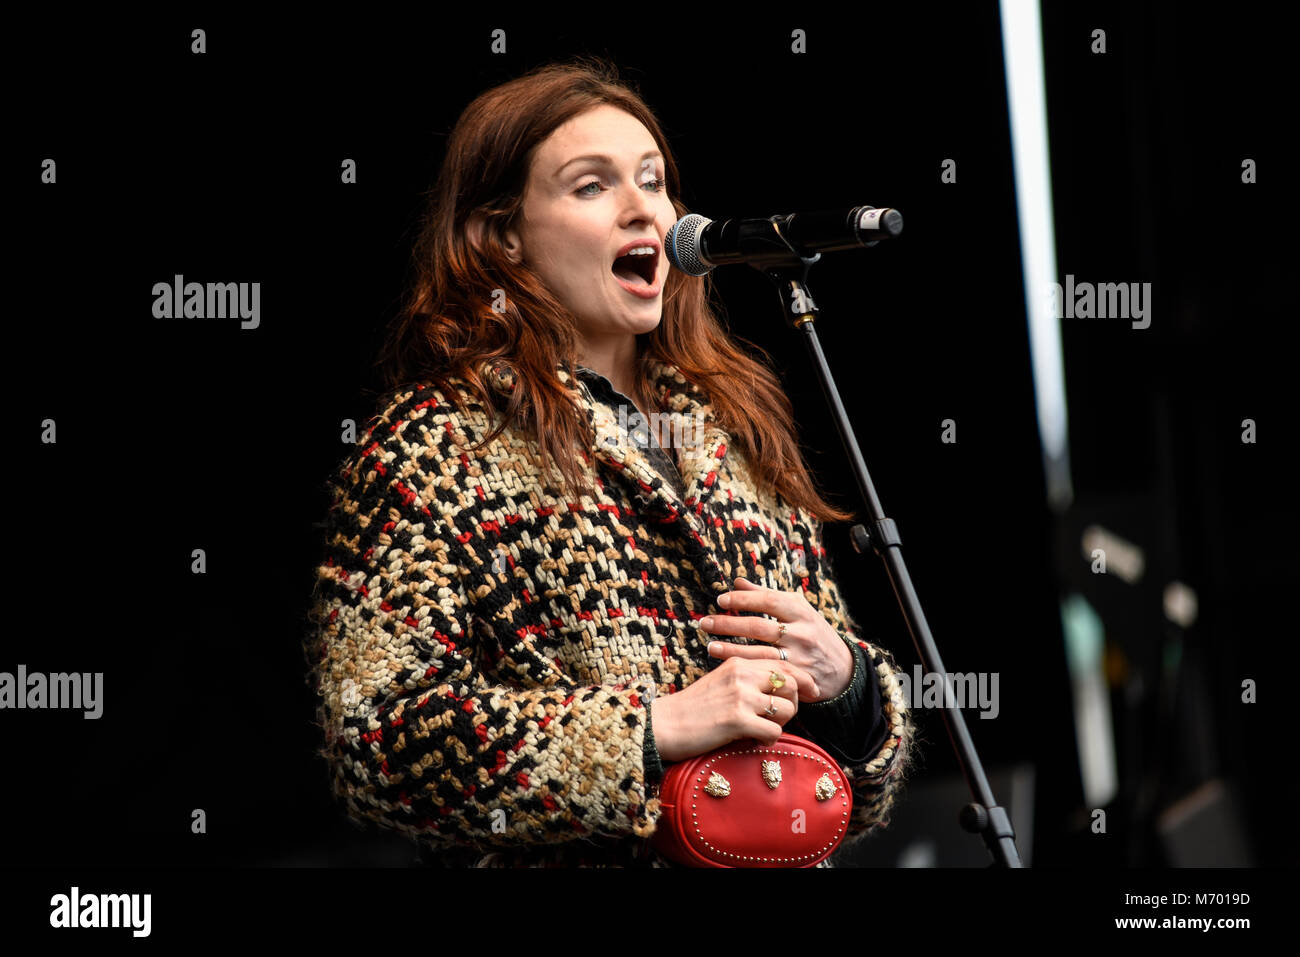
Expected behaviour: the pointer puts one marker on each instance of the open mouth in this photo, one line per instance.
(638, 269)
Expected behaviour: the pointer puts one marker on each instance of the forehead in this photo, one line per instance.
(603, 129)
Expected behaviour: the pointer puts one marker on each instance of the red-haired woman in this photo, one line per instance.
(533, 594)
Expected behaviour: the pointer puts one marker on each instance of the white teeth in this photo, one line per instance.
(640, 251)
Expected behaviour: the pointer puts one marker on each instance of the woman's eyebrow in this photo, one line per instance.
(600, 158)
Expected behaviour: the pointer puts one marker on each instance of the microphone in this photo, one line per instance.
(695, 244)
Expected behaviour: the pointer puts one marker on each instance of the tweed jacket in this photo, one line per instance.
(851, 725)
(486, 649)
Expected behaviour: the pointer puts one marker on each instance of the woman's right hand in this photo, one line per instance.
(727, 704)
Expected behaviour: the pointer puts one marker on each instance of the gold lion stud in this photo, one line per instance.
(825, 788)
(772, 773)
(718, 786)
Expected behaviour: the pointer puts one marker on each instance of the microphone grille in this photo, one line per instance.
(682, 244)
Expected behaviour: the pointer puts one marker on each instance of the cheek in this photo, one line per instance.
(568, 267)
(579, 251)
(576, 260)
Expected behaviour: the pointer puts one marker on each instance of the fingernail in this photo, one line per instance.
(714, 646)
(706, 622)
(724, 601)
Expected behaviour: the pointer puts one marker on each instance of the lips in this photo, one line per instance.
(633, 271)
(638, 288)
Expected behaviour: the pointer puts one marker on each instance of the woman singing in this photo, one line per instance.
(578, 536)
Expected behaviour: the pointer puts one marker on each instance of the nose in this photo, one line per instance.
(639, 205)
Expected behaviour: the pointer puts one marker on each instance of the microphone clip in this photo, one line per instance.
(791, 278)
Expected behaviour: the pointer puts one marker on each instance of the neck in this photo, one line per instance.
(616, 360)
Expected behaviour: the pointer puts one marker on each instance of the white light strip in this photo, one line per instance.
(1085, 645)
(1027, 104)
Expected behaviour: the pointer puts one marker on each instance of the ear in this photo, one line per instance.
(474, 230)
(514, 246)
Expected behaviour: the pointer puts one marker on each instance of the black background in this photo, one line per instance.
(175, 435)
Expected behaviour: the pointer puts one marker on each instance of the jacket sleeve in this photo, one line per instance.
(852, 724)
(877, 775)
(436, 723)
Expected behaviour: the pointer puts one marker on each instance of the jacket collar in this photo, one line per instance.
(701, 444)
(702, 450)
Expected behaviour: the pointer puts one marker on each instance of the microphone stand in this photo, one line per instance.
(788, 269)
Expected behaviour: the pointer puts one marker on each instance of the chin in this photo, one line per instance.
(648, 325)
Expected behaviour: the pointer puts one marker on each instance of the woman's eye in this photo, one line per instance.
(656, 185)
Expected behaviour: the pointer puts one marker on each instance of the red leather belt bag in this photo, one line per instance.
(754, 805)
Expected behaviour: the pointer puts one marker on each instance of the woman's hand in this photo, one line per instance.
(810, 642)
(728, 703)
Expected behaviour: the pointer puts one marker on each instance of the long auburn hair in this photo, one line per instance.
(453, 319)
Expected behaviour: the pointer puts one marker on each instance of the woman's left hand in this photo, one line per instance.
(809, 640)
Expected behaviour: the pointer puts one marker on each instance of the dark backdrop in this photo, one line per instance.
(175, 435)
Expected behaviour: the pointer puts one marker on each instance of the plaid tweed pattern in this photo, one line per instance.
(487, 649)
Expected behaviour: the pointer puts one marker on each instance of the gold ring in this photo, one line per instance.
(771, 706)
(780, 632)
(777, 679)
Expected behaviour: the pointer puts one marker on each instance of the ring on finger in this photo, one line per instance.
(776, 679)
(780, 632)
(784, 655)
(771, 706)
